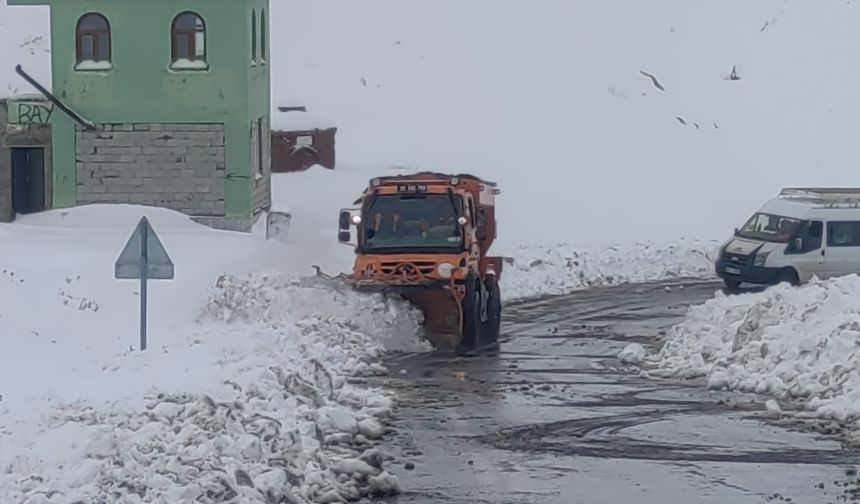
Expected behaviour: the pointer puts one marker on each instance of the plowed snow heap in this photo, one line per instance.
(426, 237)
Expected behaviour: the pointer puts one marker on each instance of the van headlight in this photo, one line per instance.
(445, 270)
(760, 258)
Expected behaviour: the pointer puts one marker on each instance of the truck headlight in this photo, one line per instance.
(445, 270)
(760, 258)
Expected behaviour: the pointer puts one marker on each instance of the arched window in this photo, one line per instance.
(188, 38)
(263, 35)
(92, 38)
(253, 35)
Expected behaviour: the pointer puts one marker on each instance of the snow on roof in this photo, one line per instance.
(295, 120)
(110, 216)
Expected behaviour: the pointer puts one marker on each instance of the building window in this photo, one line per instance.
(260, 151)
(92, 41)
(263, 35)
(188, 42)
(253, 36)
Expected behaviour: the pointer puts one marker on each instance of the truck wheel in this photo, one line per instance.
(471, 318)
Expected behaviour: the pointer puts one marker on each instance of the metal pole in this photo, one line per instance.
(144, 269)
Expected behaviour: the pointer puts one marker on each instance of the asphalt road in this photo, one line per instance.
(554, 418)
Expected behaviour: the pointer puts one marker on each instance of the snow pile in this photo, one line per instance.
(283, 424)
(251, 391)
(278, 299)
(801, 343)
(557, 269)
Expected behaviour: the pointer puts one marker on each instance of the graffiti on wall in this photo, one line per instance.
(30, 112)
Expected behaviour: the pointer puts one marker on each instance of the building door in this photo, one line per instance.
(28, 180)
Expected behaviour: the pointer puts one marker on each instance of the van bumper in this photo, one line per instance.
(746, 273)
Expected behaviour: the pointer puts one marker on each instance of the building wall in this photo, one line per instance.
(259, 102)
(5, 169)
(260, 164)
(176, 166)
(142, 89)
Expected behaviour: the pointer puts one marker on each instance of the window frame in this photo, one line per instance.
(259, 169)
(263, 31)
(99, 63)
(254, 36)
(198, 62)
(855, 233)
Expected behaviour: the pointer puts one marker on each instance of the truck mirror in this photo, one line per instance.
(343, 221)
(798, 243)
(737, 231)
(481, 233)
(343, 236)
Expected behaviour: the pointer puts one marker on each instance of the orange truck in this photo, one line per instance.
(427, 237)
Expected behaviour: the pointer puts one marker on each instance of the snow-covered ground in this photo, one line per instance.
(247, 386)
(800, 344)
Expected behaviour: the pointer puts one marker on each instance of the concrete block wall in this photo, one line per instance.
(177, 166)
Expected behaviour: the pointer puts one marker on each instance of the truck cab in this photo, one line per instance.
(801, 234)
(427, 236)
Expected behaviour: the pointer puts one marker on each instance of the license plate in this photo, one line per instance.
(732, 271)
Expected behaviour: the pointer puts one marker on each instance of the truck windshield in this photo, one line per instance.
(771, 228)
(413, 222)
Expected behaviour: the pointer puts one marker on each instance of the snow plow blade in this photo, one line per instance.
(442, 311)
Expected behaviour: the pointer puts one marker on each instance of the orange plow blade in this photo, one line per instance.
(442, 316)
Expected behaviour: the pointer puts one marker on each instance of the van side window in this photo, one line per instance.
(814, 235)
(843, 233)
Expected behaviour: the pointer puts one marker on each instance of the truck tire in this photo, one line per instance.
(472, 325)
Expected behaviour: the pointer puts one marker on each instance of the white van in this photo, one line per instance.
(803, 232)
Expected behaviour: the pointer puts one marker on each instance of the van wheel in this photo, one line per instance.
(788, 275)
(732, 285)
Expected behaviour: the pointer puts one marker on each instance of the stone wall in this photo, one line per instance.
(177, 166)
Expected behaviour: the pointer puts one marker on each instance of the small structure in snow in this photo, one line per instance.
(301, 140)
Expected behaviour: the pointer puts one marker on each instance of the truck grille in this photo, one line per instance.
(408, 269)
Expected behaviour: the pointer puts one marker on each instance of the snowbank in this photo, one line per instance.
(531, 271)
(790, 342)
(250, 389)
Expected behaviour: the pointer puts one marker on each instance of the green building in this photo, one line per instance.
(172, 99)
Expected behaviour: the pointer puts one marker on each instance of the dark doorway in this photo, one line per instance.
(28, 180)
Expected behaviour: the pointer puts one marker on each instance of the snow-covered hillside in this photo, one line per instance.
(548, 98)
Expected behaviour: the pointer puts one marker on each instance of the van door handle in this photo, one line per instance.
(822, 252)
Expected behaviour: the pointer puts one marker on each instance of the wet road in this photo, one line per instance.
(554, 418)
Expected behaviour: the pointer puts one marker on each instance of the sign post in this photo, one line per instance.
(143, 258)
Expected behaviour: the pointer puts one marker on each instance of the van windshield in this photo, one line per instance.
(771, 228)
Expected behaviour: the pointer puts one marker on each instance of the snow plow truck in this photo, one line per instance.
(426, 237)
